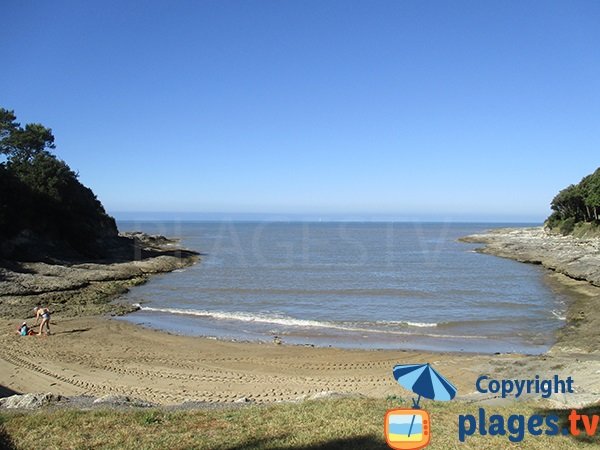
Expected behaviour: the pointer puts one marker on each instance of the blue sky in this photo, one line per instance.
(463, 110)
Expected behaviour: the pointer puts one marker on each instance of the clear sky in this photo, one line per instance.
(431, 110)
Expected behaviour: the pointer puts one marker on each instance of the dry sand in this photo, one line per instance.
(103, 356)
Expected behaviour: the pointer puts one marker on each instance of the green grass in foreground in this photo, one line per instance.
(327, 424)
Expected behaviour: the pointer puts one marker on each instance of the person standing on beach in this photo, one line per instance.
(44, 314)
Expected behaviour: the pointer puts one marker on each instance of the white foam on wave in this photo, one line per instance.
(244, 317)
(290, 321)
(421, 324)
(410, 324)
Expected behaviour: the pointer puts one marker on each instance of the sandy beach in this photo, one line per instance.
(102, 356)
(98, 356)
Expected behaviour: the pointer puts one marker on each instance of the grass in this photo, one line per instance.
(350, 423)
(584, 230)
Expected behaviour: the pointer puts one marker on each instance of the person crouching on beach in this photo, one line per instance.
(44, 315)
(23, 330)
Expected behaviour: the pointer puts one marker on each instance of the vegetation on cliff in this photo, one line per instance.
(43, 206)
(577, 206)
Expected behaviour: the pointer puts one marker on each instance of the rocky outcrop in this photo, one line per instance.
(28, 401)
(35, 401)
(577, 258)
(40, 400)
(113, 400)
(80, 286)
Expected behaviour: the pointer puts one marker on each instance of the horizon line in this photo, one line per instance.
(328, 220)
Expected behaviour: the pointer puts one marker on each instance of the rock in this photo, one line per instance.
(29, 401)
(73, 286)
(149, 240)
(321, 396)
(121, 400)
(243, 400)
(324, 394)
(578, 258)
(112, 399)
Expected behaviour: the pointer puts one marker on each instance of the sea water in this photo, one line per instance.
(406, 285)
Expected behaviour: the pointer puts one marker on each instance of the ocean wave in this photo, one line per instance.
(244, 317)
(303, 323)
(421, 324)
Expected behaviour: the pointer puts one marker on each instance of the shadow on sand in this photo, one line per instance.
(74, 331)
(6, 392)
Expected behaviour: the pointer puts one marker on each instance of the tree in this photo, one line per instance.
(569, 202)
(40, 194)
(23, 143)
(592, 194)
(577, 203)
(8, 124)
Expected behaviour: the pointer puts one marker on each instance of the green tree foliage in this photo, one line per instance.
(41, 195)
(576, 203)
(8, 124)
(23, 143)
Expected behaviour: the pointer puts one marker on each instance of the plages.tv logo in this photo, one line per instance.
(410, 428)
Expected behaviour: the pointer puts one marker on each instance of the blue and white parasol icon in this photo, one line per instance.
(423, 380)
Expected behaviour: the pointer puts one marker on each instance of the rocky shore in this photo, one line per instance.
(87, 287)
(577, 258)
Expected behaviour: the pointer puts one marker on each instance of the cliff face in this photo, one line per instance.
(578, 258)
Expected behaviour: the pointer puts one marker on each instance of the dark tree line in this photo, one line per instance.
(577, 203)
(41, 199)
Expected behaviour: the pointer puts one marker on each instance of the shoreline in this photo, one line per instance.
(572, 263)
(282, 339)
(96, 355)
